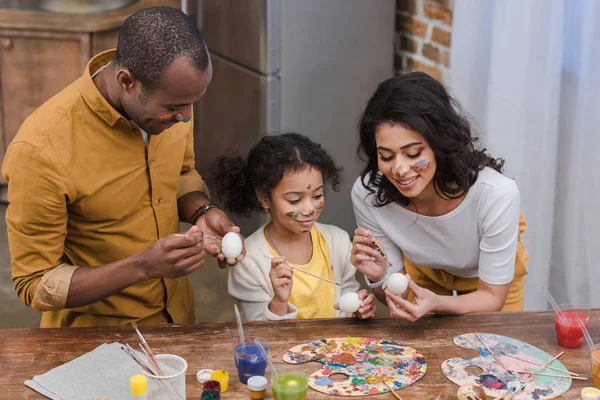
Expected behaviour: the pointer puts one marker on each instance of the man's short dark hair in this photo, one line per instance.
(152, 38)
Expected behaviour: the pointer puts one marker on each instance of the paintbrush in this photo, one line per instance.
(549, 362)
(396, 395)
(132, 353)
(379, 250)
(579, 378)
(492, 353)
(205, 237)
(537, 363)
(309, 273)
(148, 352)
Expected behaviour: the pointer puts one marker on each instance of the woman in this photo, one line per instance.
(438, 207)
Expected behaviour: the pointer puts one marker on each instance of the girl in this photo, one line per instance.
(285, 176)
(440, 209)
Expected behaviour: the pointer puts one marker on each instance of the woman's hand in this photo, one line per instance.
(425, 302)
(366, 258)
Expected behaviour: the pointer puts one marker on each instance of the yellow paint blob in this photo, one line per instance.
(221, 376)
(590, 392)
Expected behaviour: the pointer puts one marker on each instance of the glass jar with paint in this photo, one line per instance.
(568, 333)
(257, 387)
(248, 359)
(596, 367)
(290, 384)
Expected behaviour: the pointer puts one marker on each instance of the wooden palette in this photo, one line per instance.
(368, 363)
(494, 379)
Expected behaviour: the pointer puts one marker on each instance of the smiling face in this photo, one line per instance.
(297, 201)
(182, 84)
(406, 160)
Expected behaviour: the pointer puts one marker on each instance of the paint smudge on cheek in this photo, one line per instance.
(320, 205)
(182, 118)
(294, 214)
(166, 117)
(421, 164)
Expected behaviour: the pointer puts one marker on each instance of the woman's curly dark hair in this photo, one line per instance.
(418, 102)
(235, 181)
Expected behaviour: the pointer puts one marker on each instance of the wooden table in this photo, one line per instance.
(28, 352)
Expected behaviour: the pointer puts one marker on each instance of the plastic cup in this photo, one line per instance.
(248, 359)
(173, 382)
(568, 333)
(596, 367)
(290, 384)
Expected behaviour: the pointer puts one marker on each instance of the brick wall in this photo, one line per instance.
(423, 31)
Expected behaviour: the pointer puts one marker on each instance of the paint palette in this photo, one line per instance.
(494, 379)
(369, 364)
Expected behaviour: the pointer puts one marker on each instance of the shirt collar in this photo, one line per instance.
(92, 96)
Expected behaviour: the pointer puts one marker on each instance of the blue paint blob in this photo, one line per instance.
(323, 381)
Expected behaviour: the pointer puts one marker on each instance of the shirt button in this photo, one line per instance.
(134, 130)
(159, 201)
(150, 162)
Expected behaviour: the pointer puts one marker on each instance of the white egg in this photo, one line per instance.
(231, 245)
(349, 303)
(397, 283)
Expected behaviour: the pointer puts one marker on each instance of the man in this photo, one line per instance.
(100, 176)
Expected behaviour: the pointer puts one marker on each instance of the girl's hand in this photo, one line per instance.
(281, 279)
(366, 258)
(367, 306)
(425, 302)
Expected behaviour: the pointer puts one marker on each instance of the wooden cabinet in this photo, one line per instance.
(41, 53)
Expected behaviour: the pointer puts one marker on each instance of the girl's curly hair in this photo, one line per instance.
(235, 180)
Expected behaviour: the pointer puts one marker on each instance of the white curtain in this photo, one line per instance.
(528, 73)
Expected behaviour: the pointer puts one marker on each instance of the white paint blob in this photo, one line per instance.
(397, 283)
(231, 245)
(349, 303)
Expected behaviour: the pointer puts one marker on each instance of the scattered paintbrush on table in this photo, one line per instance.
(392, 391)
(492, 353)
(537, 363)
(578, 378)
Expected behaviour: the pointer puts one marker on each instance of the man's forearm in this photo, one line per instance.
(91, 284)
(189, 203)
